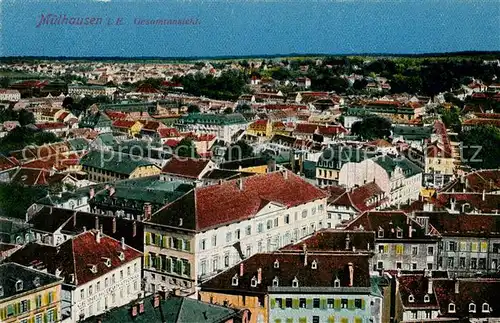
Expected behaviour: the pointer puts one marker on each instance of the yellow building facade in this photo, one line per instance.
(255, 304)
(144, 171)
(42, 305)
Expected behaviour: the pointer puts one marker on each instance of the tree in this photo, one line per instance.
(372, 127)
(15, 199)
(4, 82)
(481, 147)
(228, 110)
(451, 119)
(186, 148)
(192, 108)
(238, 150)
(25, 117)
(68, 102)
(243, 107)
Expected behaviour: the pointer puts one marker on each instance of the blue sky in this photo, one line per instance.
(251, 27)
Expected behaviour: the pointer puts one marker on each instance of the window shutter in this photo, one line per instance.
(337, 303)
(188, 245)
(358, 319)
(165, 242)
(323, 303)
(159, 240)
(158, 262)
(55, 314)
(295, 303)
(350, 304)
(187, 269)
(289, 320)
(362, 303)
(16, 308)
(283, 303)
(278, 321)
(331, 319)
(45, 320)
(29, 304)
(309, 303)
(2, 314)
(146, 260)
(386, 248)
(179, 244)
(148, 238)
(273, 303)
(303, 320)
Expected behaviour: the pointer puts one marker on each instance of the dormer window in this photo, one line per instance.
(234, 281)
(451, 308)
(411, 298)
(71, 278)
(36, 281)
(472, 308)
(276, 264)
(121, 256)
(399, 233)
(253, 282)
(486, 308)
(314, 264)
(93, 269)
(295, 282)
(275, 282)
(380, 232)
(336, 283)
(19, 285)
(107, 262)
(427, 299)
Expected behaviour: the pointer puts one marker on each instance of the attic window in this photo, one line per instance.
(411, 299)
(399, 233)
(427, 299)
(93, 269)
(380, 232)
(336, 283)
(472, 308)
(295, 282)
(121, 256)
(234, 280)
(275, 282)
(71, 278)
(107, 262)
(19, 285)
(276, 264)
(314, 264)
(36, 281)
(486, 308)
(253, 283)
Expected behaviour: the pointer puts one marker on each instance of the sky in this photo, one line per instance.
(250, 27)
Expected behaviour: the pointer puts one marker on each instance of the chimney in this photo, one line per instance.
(134, 229)
(101, 230)
(410, 231)
(177, 291)
(114, 225)
(147, 211)
(91, 193)
(285, 174)
(347, 242)
(98, 236)
(240, 184)
(351, 274)
(50, 209)
(457, 286)
(466, 183)
(74, 219)
(111, 191)
(123, 243)
(242, 269)
(84, 229)
(180, 222)
(429, 286)
(259, 275)
(96, 223)
(484, 195)
(304, 247)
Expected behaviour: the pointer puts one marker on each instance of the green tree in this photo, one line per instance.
(481, 147)
(238, 150)
(5, 82)
(451, 119)
(15, 199)
(192, 108)
(228, 110)
(25, 117)
(186, 148)
(372, 127)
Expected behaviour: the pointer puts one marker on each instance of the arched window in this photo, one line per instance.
(275, 282)
(451, 308)
(472, 308)
(295, 282)
(411, 298)
(486, 308)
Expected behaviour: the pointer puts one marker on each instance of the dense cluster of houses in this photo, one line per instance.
(314, 225)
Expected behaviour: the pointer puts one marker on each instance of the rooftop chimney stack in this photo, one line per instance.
(123, 243)
(410, 231)
(429, 286)
(347, 242)
(134, 229)
(91, 193)
(484, 195)
(259, 275)
(111, 191)
(114, 225)
(242, 269)
(304, 247)
(96, 223)
(98, 236)
(101, 229)
(457, 286)
(240, 184)
(351, 274)
(147, 211)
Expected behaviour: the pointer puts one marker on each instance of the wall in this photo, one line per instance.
(257, 305)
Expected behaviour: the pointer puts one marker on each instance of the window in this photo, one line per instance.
(98, 286)
(430, 251)
(315, 319)
(314, 264)
(237, 234)
(399, 265)
(226, 260)
(427, 298)
(260, 227)
(450, 262)
(254, 282)
(358, 303)
(330, 302)
(414, 250)
(473, 263)
(472, 308)
(203, 244)
(288, 303)
(411, 298)
(461, 263)
(121, 274)
(113, 278)
(380, 265)
(473, 247)
(295, 282)
(24, 306)
(234, 281)
(19, 285)
(399, 233)
(316, 303)
(248, 230)
(381, 249)
(269, 224)
(214, 241)
(486, 308)
(275, 282)
(304, 214)
(229, 237)
(38, 318)
(51, 317)
(380, 233)
(276, 222)
(302, 303)
(279, 302)
(82, 294)
(482, 263)
(344, 303)
(203, 267)
(414, 266)
(90, 290)
(452, 246)
(287, 218)
(336, 283)
(484, 246)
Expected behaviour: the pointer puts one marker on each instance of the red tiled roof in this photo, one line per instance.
(335, 240)
(7, 163)
(488, 115)
(380, 143)
(123, 124)
(172, 143)
(147, 88)
(417, 286)
(473, 225)
(62, 116)
(168, 132)
(284, 107)
(258, 125)
(115, 115)
(50, 125)
(148, 125)
(491, 202)
(310, 128)
(482, 122)
(74, 256)
(185, 167)
(359, 197)
(487, 180)
(291, 266)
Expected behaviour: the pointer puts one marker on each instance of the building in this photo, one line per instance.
(186, 170)
(214, 227)
(99, 272)
(224, 126)
(400, 242)
(319, 132)
(439, 159)
(299, 287)
(9, 95)
(174, 309)
(28, 295)
(91, 90)
(105, 166)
